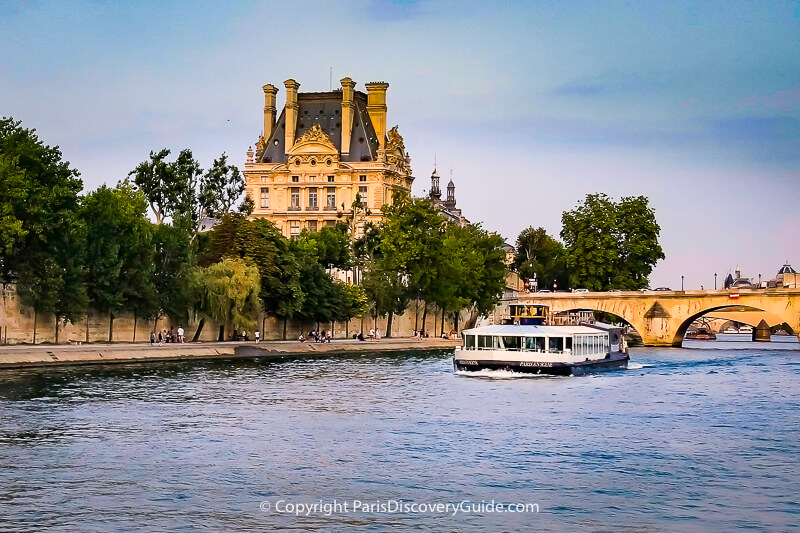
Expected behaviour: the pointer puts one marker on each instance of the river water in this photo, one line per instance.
(702, 438)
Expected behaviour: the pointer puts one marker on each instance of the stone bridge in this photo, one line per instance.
(662, 317)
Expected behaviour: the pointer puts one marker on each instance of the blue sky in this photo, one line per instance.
(532, 105)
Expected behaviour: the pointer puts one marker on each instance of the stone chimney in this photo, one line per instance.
(376, 107)
(269, 110)
(291, 111)
(347, 112)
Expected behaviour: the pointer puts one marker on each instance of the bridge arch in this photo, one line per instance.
(681, 331)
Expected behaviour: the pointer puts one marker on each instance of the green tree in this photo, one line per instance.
(330, 247)
(260, 242)
(174, 260)
(351, 302)
(386, 289)
(472, 271)
(410, 241)
(44, 239)
(13, 192)
(170, 186)
(540, 255)
(227, 293)
(220, 187)
(119, 252)
(611, 244)
(639, 249)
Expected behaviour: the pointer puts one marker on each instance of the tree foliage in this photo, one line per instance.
(119, 251)
(42, 234)
(227, 292)
(611, 244)
(541, 256)
(220, 187)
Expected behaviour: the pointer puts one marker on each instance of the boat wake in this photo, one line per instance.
(638, 366)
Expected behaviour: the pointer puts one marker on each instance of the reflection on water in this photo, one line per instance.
(703, 438)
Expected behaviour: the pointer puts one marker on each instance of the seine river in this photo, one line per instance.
(703, 438)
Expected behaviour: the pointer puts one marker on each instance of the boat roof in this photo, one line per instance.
(511, 330)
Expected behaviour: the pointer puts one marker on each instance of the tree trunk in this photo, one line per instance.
(455, 321)
(110, 326)
(134, 326)
(56, 329)
(416, 314)
(425, 316)
(435, 318)
(34, 325)
(87, 327)
(347, 329)
(199, 329)
(221, 333)
(333, 324)
(442, 333)
(284, 327)
(389, 325)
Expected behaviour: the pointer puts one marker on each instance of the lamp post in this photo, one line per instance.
(681, 283)
(715, 281)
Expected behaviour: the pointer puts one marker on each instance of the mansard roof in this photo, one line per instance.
(325, 109)
(786, 269)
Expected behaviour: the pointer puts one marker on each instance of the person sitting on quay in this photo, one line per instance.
(360, 336)
(152, 338)
(301, 338)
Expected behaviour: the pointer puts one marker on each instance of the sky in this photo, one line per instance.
(530, 105)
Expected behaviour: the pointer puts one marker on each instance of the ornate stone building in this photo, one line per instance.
(324, 152)
(447, 206)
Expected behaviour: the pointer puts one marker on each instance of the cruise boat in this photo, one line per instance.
(525, 343)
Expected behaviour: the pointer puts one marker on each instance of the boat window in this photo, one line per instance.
(534, 344)
(469, 341)
(484, 341)
(497, 342)
(556, 344)
(569, 343)
(512, 343)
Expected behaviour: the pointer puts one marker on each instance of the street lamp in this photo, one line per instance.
(681, 283)
(715, 281)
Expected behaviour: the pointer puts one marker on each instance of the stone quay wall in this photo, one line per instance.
(16, 325)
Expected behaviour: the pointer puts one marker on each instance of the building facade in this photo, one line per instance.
(328, 156)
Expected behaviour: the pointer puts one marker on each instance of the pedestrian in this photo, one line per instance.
(257, 336)
(160, 339)
(302, 338)
(180, 334)
(152, 338)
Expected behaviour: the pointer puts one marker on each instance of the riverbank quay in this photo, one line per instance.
(88, 354)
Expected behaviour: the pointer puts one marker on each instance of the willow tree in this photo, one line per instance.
(227, 293)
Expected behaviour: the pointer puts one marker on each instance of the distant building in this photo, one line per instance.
(787, 277)
(323, 152)
(575, 317)
(448, 206)
(737, 281)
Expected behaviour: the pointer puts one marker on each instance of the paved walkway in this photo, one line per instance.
(58, 354)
